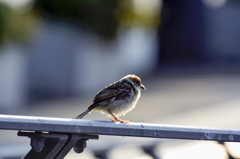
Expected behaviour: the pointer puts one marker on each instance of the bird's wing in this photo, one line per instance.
(116, 90)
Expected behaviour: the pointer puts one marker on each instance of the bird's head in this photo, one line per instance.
(136, 81)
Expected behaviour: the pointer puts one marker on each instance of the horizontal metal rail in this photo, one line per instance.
(93, 127)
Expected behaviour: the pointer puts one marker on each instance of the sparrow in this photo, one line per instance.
(117, 99)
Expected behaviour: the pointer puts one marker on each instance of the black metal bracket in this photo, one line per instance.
(55, 145)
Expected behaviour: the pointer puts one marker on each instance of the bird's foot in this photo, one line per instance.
(122, 121)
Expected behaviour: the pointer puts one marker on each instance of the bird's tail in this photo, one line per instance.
(80, 116)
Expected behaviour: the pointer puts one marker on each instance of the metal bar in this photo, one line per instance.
(82, 126)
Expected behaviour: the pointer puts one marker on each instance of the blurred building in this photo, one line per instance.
(62, 59)
(200, 32)
(67, 62)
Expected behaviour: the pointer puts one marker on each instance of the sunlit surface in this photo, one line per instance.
(128, 152)
(233, 148)
(196, 150)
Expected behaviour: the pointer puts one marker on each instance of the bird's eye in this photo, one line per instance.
(138, 83)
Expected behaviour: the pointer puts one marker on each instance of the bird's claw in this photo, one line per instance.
(122, 121)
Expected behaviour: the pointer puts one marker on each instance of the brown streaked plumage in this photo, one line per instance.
(117, 99)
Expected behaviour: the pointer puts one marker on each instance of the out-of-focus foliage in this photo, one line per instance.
(101, 17)
(140, 13)
(14, 26)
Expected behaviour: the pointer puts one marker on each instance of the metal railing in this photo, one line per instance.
(55, 137)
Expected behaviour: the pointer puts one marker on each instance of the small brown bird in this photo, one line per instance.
(117, 99)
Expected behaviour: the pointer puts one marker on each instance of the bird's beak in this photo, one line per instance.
(142, 87)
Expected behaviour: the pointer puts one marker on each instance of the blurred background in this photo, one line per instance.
(55, 55)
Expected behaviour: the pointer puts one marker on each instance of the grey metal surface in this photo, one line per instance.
(65, 125)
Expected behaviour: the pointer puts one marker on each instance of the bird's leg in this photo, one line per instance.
(118, 119)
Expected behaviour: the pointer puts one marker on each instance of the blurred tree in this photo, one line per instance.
(140, 13)
(101, 17)
(14, 26)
